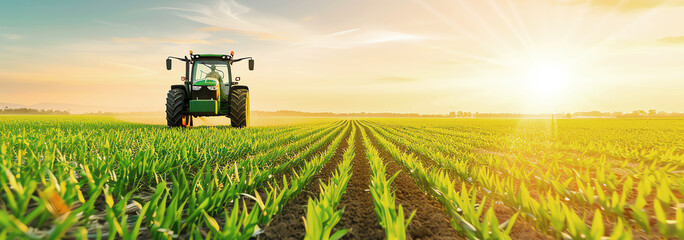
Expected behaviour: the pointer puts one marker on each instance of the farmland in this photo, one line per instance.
(379, 178)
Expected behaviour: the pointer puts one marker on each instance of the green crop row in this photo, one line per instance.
(245, 224)
(390, 214)
(86, 177)
(80, 177)
(461, 206)
(550, 211)
(502, 188)
(321, 214)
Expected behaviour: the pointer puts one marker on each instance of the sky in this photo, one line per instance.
(405, 56)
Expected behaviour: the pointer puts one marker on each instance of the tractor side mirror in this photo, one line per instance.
(251, 64)
(168, 64)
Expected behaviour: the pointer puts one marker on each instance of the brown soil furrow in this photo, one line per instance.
(289, 224)
(521, 229)
(277, 178)
(359, 214)
(430, 221)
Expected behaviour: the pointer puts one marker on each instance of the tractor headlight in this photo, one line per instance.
(213, 88)
(196, 88)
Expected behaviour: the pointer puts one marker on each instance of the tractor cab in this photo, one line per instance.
(208, 90)
(210, 75)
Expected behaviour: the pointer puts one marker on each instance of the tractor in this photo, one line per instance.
(208, 89)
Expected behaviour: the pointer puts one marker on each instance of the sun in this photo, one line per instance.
(546, 78)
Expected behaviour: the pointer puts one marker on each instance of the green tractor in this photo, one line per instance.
(208, 89)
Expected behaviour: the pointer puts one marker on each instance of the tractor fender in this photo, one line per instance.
(240, 87)
(182, 87)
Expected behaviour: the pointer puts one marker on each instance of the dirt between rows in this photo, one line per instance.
(430, 221)
(262, 190)
(359, 212)
(277, 179)
(289, 224)
(609, 220)
(523, 229)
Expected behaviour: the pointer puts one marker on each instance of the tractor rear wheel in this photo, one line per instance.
(239, 107)
(174, 107)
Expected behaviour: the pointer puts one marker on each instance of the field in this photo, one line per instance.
(98, 177)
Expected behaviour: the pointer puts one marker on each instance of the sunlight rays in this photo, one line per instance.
(592, 48)
(525, 42)
(484, 25)
(548, 54)
(454, 25)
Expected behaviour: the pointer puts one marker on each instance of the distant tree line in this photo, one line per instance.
(101, 113)
(286, 113)
(462, 114)
(31, 111)
(652, 113)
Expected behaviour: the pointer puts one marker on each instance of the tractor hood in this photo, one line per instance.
(205, 82)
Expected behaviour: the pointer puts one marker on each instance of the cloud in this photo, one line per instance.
(177, 41)
(225, 40)
(213, 29)
(376, 36)
(142, 70)
(628, 5)
(231, 16)
(11, 36)
(254, 34)
(356, 38)
(119, 25)
(675, 40)
(396, 79)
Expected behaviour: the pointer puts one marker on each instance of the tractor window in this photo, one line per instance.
(210, 70)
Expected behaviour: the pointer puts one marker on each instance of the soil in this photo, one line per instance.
(278, 177)
(430, 221)
(526, 229)
(359, 212)
(289, 224)
(521, 229)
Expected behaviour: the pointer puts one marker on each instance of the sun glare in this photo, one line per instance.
(546, 78)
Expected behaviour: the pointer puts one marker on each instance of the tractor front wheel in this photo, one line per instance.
(239, 107)
(174, 108)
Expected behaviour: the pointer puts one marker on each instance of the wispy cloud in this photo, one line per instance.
(629, 5)
(142, 70)
(345, 32)
(111, 24)
(178, 41)
(396, 79)
(254, 34)
(675, 40)
(356, 38)
(380, 36)
(231, 16)
(11, 36)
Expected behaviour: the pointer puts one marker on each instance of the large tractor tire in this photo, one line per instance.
(174, 108)
(239, 107)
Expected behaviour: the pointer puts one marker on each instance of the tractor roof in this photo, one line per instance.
(213, 56)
